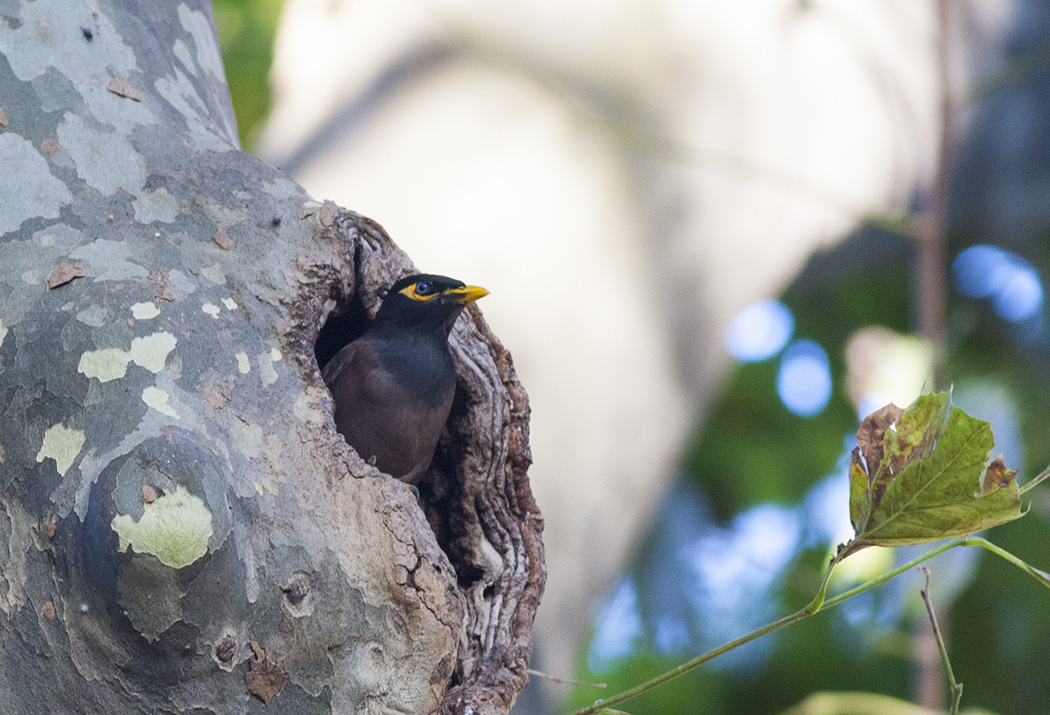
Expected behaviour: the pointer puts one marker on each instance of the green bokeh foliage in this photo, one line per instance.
(246, 33)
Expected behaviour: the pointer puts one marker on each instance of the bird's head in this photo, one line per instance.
(427, 302)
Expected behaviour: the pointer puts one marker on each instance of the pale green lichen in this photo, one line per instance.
(106, 364)
(157, 399)
(145, 311)
(151, 352)
(175, 528)
(242, 363)
(3, 332)
(61, 444)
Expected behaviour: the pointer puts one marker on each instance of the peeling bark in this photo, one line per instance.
(181, 527)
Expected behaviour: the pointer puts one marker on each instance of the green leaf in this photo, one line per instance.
(923, 476)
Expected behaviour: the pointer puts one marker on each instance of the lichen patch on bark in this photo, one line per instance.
(61, 444)
(175, 528)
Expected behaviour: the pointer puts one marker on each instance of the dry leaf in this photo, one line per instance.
(265, 678)
(64, 273)
(215, 397)
(3, 117)
(161, 292)
(997, 476)
(122, 88)
(50, 147)
(223, 240)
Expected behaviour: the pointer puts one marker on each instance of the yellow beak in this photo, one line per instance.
(468, 294)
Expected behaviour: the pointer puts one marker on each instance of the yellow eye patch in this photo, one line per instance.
(411, 292)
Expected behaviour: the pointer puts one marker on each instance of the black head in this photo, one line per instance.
(426, 302)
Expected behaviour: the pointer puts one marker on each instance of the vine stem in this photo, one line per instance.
(955, 686)
(816, 605)
(818, 601)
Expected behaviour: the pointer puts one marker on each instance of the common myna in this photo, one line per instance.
(393, 386)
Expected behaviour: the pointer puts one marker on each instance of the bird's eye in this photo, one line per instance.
(424, 288)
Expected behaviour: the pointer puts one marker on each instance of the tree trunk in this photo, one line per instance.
(181, 527)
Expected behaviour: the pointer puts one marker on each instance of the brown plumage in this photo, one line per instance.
(393, 386)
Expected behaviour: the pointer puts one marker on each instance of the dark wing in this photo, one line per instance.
(379, 418)
(338, 363)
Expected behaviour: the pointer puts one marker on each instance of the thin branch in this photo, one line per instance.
(770, 628)
(564, 681)
(1040, 576)
(818, 601)
(1033, 482)
(814, 607)
(601, 705)
(956, 687)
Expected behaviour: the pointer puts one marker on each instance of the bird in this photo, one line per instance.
(392, 387)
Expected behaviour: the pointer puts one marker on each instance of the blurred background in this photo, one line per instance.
(716, 235)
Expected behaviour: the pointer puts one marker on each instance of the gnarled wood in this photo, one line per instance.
(181, 527)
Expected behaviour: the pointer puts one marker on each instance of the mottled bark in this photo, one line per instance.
(181, 528)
